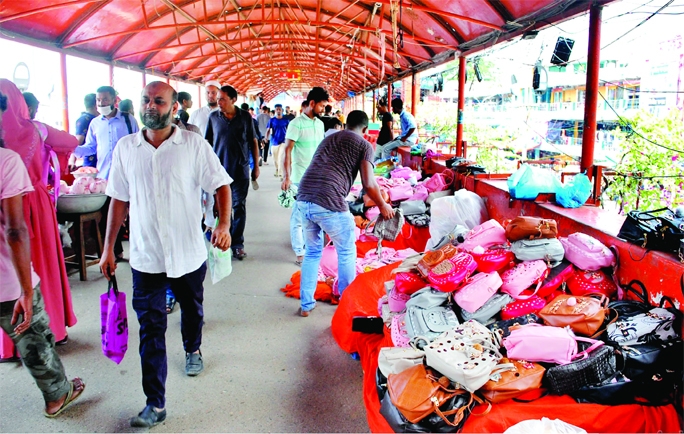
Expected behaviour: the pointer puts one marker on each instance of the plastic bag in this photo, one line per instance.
(527, 182)
(219, 262)
(544, 426)
(464, 208)
(575, 192)
(114, 322)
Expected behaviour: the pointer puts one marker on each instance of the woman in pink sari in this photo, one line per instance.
(47, 257)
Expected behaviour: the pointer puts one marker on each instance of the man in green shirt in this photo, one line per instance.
(303, 136)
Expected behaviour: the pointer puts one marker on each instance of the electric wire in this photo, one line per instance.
(633, 131)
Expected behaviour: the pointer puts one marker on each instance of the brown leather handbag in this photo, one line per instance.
(434, 257)
(530, 228)
(417, 393)
(585, 315)
(368, 202)
(512, 378)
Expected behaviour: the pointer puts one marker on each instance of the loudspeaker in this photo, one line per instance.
(561, 54)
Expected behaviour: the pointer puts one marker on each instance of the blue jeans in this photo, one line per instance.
(297, 230)
(340, 228)
(149, 303)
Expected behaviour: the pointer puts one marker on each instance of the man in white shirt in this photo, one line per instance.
(159, 173)
(200, 117)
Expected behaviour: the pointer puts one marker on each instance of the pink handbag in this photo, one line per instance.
(586, 252)
(419, 193)
(400, 337)
(522, 276)
(487, 234)
(401, 172)
(328, 264)
(558, 275)
(523, 307)
(372, 213)
(538, 343)
(440, 181)
(400, 192)
(449, 274)
(480, 288)
(397, 300)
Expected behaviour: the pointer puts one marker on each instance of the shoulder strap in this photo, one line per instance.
(128, 123)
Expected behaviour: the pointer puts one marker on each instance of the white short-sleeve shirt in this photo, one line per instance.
(163, 187)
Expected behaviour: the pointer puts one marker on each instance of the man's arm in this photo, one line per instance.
(17, 237)
(252, 139)
(220, 237)
(373, 190)
(268, 133)
(287, 164)
(390, 125)
(117, 213)
(90, 145)
(209, 133)
(408, 134)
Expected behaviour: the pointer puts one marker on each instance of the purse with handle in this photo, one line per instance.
(434, 257)
(590, 282)
(503, 327)
(583, 314)
(586, 252)
(547, 249)
(530, 228)
(418, 392)
(511, 379)
(477, 291)
(523, 307)
(489, 310)
(522, 276)
(489, 233)
(490, 260)
(539, 343)
(591, 366)
(466, 355)
(449, 274)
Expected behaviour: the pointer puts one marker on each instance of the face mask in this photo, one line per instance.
(106, 110)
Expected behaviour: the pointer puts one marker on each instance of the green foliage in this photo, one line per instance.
(650, 176)
(487, 144)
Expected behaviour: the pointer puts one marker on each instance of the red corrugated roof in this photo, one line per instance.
(343, 45)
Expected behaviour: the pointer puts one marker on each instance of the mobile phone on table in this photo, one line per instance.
(368, 324)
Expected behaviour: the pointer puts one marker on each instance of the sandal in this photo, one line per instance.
(70, 398)
(170, 304)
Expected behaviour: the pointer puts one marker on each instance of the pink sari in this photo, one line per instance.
(47, 257)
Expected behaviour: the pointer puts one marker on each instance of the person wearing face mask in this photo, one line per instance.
(158, 173)
(200, 117)
(103, 134)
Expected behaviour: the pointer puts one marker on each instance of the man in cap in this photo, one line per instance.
(200, 117)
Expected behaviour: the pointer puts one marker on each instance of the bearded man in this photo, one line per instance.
(158, 173)
(200, 117)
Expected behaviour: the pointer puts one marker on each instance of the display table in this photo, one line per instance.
(79, 258)
(361, 299)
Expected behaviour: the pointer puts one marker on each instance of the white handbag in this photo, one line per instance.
(393, 360)
(466, 355)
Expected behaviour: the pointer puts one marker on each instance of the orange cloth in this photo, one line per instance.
(323, 290)
(410, 237)
(361, 299)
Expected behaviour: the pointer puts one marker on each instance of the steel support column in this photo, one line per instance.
(461, 104)
(111, 74)
(65, 91)
(590, 104)
(199, 97)
(374, 104)
(144, 78)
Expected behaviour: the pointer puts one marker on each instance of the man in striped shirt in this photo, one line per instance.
(303, 136)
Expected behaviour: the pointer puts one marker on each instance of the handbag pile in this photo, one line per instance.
(509, 311)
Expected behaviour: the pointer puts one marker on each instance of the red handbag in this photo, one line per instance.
(523, 307)
(587, 282)
(408, 282)
(449, 275)
(558, 275)
(493, 259)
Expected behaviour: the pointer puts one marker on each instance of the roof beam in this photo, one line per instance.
(45, 9)
(501, 10)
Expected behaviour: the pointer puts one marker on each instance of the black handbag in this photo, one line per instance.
(599, 365)
(659, 230)
(356, 208)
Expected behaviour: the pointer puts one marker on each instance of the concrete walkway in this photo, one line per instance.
(266, 369)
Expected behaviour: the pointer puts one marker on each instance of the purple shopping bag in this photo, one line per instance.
(114, 322)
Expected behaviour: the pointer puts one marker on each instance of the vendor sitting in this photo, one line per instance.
(409, 132)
